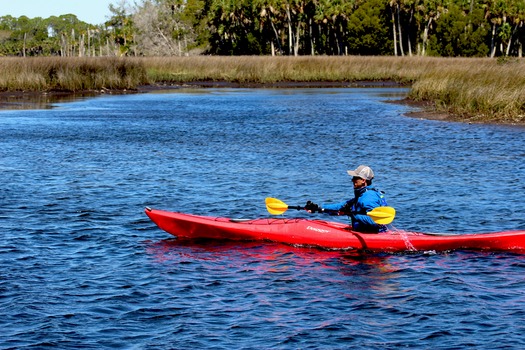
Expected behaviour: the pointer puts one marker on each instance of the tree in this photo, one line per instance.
(369, 30)
(516, 14)
(269, 24)
(120, 27)
(162, 28)
(64, 29)
(278, 27)
(459, 33)
(24, 36)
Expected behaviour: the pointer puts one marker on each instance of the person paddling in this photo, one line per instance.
(366, 198)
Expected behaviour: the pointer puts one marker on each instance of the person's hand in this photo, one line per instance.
(312, 207)
(347, 208)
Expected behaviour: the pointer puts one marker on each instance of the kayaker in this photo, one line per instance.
(366, 198)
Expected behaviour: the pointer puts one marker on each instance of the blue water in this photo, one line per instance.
(82, 267)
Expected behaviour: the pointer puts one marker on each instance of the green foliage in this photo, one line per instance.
(25, 36)
(465, 28)
(461, 34)
(369, 30)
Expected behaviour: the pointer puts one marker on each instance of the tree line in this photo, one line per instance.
(448, 28)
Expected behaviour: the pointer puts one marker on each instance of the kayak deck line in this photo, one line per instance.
(328, 234)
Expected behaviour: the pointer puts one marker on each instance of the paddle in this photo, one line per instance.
(380, 215)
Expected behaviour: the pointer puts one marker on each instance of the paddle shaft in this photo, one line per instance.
(296, 207)
(322, 210)
(380, 215)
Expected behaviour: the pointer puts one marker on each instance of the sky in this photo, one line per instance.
(90, 11)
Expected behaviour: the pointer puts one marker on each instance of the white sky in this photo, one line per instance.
(90, 11)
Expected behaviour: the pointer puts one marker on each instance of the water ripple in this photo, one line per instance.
(81, 266)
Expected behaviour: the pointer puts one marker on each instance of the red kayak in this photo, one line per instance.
(329, 235)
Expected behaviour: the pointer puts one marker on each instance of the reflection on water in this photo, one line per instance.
(44, 100)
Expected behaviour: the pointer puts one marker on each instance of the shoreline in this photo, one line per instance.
(25, 100)
(13, 100)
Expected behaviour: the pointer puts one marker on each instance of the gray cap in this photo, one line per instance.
(362, 171)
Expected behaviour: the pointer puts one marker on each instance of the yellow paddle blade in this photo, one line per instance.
(382, 215)
(275, 206)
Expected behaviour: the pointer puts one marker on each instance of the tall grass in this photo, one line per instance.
(262, 69)
(70, 74)
(484, 90)
(480, 89)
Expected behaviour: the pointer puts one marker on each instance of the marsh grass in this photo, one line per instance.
(257, 69)
(483, 90)
(477, 89)
(70, 74)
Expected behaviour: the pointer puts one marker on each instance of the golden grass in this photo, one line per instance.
(69, 74)
(263, 69)
(480, 89)
(476, 89)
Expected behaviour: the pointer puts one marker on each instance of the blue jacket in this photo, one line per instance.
(366, 199)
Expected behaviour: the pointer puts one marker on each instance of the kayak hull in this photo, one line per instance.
(328, 235)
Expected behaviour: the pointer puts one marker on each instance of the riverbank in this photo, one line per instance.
(21, 100)
(475, 90)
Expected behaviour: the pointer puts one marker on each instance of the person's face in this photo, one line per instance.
(358, 182)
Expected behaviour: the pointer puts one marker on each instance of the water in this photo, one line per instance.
(81, 266)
